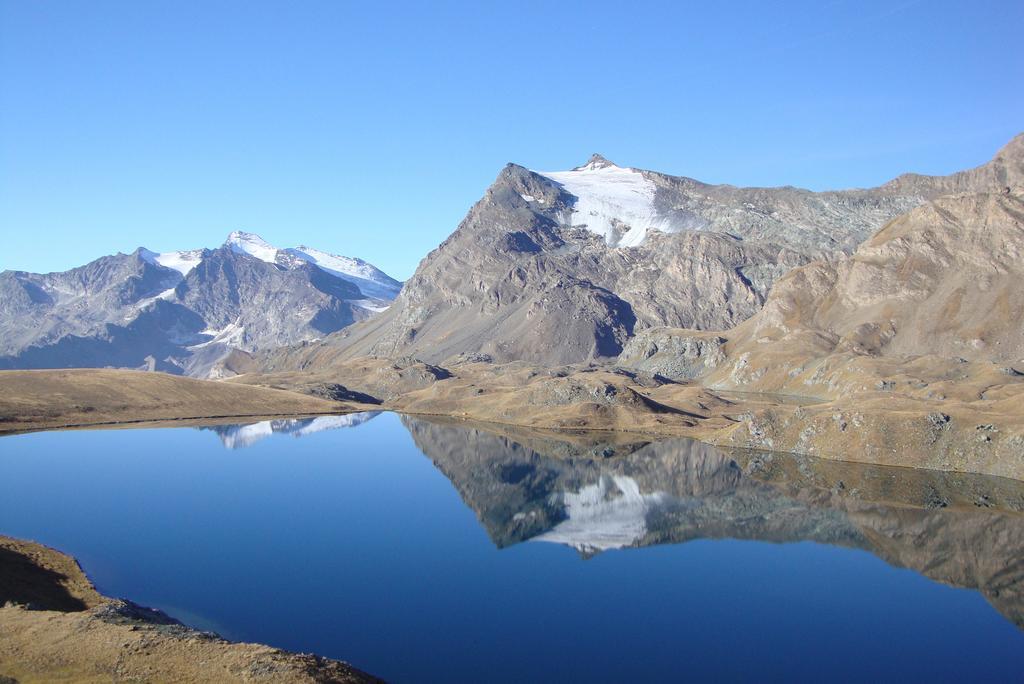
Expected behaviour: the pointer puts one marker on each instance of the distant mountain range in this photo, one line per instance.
(184, 312)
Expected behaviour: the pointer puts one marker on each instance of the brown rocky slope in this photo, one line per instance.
(916, 339)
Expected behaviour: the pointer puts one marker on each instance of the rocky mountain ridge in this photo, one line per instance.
(564, 267)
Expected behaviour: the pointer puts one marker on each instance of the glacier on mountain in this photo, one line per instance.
(614, 202)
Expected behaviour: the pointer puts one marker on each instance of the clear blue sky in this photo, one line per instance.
(369, 129)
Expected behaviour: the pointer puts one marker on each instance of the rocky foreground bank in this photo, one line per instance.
(55, 626)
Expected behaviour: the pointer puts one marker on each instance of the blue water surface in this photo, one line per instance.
(350, 543)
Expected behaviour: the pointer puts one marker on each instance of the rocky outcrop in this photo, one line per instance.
(674, 353)
(375, 379)
(981, 437)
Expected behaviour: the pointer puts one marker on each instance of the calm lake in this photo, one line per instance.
(423, 551)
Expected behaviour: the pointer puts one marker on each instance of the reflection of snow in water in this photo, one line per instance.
(607, 515)
(240, 436)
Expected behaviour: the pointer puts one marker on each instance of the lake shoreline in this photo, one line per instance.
(883, 430)
(55, 624)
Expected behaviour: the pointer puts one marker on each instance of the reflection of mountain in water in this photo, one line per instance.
(240, 436)
(967, 531)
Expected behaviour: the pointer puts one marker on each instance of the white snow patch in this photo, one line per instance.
(339, 265)
(370, 280)
(610, 514)
(614, 202)
(374, 305)
(182, 262)
(253, 245)
(232, 335)
(166, 295)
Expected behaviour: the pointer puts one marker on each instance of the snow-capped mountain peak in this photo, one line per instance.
(378, 288)
(253, 245)
(373, 282)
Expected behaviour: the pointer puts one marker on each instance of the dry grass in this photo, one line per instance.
(41, 399)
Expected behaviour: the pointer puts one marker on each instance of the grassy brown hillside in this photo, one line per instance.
(40, 399)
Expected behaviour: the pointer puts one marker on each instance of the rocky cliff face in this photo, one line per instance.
(674, 353)
(567, 266)
(182, 312)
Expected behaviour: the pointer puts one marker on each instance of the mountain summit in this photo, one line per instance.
(253, 245)
(595, 163)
